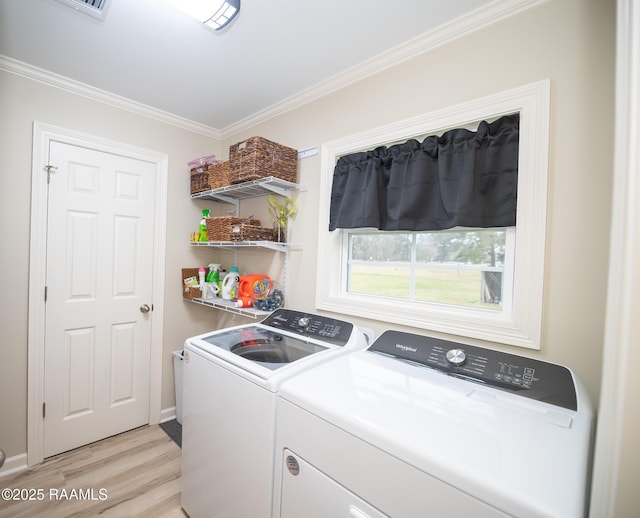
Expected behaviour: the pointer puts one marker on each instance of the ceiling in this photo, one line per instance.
(149, 52)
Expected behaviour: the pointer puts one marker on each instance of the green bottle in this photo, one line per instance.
(202, 230)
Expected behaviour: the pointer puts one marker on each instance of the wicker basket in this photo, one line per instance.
(253, 233)
(223, 228)
(190, 292)
(211, 177)
(199, 182)
(218, 175)
(258, 157)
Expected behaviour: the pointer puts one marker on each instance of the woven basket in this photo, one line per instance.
(223, 228)
(199, 182)
(191, 292)
(258, 157)
(253, 233)
(218, 175)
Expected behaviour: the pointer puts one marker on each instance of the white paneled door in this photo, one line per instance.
(98, 295)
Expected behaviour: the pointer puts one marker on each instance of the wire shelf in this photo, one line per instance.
(253, 189)
(229, 306)
(271, 245)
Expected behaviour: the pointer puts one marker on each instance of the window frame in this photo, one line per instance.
(522, 325)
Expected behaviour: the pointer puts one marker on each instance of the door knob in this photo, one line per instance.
(145, 308)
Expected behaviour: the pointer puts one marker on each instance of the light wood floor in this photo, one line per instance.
(138, 471)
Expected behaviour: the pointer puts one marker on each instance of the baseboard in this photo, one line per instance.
(167, 414)
(14, 464)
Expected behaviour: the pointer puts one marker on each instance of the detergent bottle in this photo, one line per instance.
(246, 286)
(202, 229)
(230, 284)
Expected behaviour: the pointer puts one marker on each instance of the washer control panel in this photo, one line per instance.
(520, 375)
(336, 332)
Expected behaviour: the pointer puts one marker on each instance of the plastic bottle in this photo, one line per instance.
(245, 285)
(202, 229)
(212, 280)
(201, 277)
(230, 284)
(213, 276)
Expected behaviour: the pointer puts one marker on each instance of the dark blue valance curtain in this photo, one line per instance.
(460, 178)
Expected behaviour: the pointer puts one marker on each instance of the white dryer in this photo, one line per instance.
(416, 426)
(231, 379)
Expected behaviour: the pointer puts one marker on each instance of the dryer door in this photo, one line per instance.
(308, 492)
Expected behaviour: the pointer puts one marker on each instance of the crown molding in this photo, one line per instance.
(480, 18)
(475, 20)
(54, 80)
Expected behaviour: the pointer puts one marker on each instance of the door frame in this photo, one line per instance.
(43, 135)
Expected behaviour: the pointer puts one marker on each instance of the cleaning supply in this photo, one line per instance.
(212, 282)
(201, 277)
(267, 295)
(202, 230)
(230, 284)
(247, 284)
(213, 276)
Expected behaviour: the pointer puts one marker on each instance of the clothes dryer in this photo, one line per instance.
(416, 426)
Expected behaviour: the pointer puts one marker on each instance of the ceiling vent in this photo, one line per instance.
(95, 8)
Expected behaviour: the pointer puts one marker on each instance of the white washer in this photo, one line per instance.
(416, 426)
(231, 378)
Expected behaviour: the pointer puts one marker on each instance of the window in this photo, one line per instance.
(459, 267)
(468, 282)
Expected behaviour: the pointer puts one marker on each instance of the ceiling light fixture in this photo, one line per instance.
(215, 14)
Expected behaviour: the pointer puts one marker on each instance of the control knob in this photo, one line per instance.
(304, 322)
(456, 357)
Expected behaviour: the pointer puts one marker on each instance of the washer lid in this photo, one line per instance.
(285, 343)
(263, 346)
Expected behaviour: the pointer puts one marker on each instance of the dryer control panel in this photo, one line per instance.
(336, 332)
(520, 375)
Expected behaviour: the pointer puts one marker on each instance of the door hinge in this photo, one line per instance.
(48, 169)
(45, 294)
(44, 405)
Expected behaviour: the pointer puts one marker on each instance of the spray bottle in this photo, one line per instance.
(213, 278)
(202, 229)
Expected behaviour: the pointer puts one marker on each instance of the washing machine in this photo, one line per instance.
(416, 426)
(230, 383)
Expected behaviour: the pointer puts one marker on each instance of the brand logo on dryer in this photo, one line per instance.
(406, 348)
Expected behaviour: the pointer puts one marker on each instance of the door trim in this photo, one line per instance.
(43, 135)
